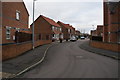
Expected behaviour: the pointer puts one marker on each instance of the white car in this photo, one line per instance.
(82, 37)
(73, 38)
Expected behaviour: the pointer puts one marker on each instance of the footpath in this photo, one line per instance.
(26, 61)
(103, 52)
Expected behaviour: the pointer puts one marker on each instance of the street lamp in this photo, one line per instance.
(33, 41)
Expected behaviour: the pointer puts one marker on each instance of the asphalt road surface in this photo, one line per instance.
(67, 60)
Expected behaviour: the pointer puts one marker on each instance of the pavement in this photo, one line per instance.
(85, 45)
(24, 62)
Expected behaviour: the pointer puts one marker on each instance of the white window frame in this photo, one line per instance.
(53, 28)
(8, 33)
(17, 15)
(69, 30)
(61, 29)
(109, 40)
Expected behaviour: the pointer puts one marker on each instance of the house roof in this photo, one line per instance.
(65, 25)
(50, 21)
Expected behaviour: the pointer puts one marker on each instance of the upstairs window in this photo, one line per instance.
(60, 29)
(53, 28)
(17, 15)
(69, 30)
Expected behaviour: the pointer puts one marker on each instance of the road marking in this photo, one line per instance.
(79, 56)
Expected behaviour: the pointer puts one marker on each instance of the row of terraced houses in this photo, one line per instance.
(107, 36)
(17, 36)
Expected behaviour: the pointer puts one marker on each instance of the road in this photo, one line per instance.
(67, 60)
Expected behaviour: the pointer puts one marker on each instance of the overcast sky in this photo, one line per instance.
(82, 14)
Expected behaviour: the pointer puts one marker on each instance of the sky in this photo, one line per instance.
(81, 14)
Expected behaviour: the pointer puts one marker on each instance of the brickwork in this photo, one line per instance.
(43, 30)
(107, 46)
(13, 50)
(9, 19)
(111, 22)
(64, 30)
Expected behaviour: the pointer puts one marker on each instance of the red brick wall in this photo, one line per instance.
(9, 18)
(111, 24)
(42, 27)
(13, 50)
(107, 46)
(106, 18)
(42, 42)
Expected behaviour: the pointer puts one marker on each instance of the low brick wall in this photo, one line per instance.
(107, 46)
(42, 42)
(13, 50)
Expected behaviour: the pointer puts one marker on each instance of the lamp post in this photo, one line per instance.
(33, 41)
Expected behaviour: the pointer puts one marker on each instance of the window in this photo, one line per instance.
(60, 29)
(18, 29)
(69, 30)
(56, 28)
(39, 36)
(17, 15)
(119, 37)
(8, 33)
(53, 28)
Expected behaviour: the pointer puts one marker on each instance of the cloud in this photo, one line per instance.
(82, 15)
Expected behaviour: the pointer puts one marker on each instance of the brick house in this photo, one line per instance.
(99, 30)
(111, 22)
(14, 19)
(93, 32)
(46, 29)
(71, 31)
(56, 29)
(65, 30)
(77, 34)
(42, 30)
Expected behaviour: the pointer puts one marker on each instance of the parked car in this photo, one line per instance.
(82, 37)
(73, 38)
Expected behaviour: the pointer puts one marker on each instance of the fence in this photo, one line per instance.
(22, 37)
(96, 38)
